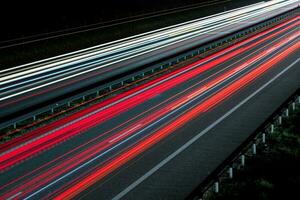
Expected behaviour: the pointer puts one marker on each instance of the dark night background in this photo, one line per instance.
(23, 18)
(28, 29)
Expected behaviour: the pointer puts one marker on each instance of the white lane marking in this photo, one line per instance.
(130, 130)
(13, 196)
(124, 141)
(191, 96)
(195, 138)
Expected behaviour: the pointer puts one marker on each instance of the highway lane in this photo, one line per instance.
(175, 176)
(22, 168)
(42, 93)
(149, 85)
(100, 172)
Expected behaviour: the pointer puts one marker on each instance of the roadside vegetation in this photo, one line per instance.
(274, 173)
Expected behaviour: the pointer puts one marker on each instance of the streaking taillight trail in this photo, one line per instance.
(50, 172)
(179, 122)
(55, 172)
(19, 154)
(58, 124)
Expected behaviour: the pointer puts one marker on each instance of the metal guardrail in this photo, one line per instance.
(237, 159)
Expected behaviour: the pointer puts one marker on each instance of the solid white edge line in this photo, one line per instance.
(195, 138)
(113, 147)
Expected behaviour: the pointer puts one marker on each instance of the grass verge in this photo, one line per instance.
(274, 172)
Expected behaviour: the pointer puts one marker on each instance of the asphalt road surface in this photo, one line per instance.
(160, 139)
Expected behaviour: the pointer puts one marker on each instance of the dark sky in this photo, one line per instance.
(25, 17)
(20, 18)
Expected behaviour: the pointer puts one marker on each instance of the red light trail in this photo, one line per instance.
(9, 159)
(179, 122)
(119, 160)
(59, 123)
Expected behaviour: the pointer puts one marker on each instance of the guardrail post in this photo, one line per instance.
(254, 149)
(287, 112)
(280, 120)
(299, 99)
(15, 125)
(272, 128)
(230, 172)
(69, 104)
(243, 160)
(293, 106)
(34, 117)
(263, 138)
(216, 187)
